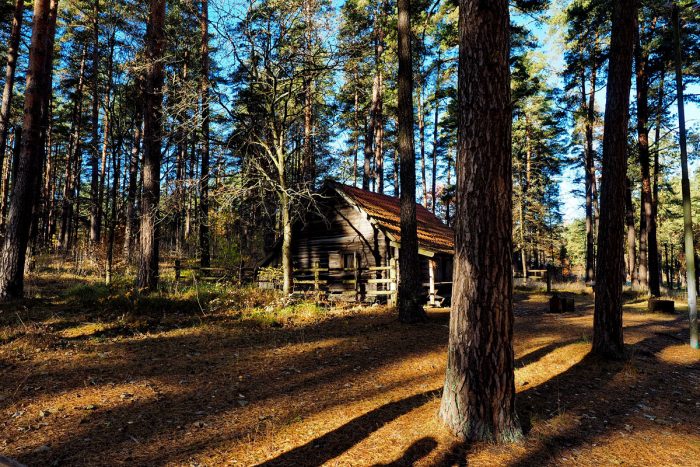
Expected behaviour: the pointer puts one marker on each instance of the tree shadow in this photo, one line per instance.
(415, 452)
(589, 392)
(334, 443)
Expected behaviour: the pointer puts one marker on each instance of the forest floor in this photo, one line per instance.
(218, 376)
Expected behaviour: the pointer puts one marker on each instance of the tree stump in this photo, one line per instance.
(656, 305)
(555, 304)
(559, 304)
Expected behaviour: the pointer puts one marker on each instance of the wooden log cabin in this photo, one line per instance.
(348, 248)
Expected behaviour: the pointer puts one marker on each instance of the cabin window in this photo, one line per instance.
(334, 261)
(349, 260)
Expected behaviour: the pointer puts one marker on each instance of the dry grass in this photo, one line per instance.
(214, 376)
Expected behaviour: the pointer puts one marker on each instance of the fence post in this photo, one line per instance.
(431, 279)
(356, 265)
(316, 274)
(177, 270)
(392, 284)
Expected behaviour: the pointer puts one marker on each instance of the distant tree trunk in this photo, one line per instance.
(435, 135)
(379, 140)
(12, 49)
(114, 189)
(648, 248)
(607, 322)
(421, 140)
(130, 221)
(7, 176)
(72, 156)
(631, 235)
(94, 144)
(14, 247)
(685, 187)
(152, 135)
(410, 309)
(448, 219)
(590, 177)
(204, 239)
(106, 122)
(375, 103)
(356, 145)
(478, 400)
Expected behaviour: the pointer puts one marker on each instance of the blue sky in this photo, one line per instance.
(551, 39)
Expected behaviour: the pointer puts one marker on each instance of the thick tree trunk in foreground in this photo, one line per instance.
(204, 259)
(24, 188)
(12, 48)
(607, 322)
(410, 309)
(152, 134)
(478, 400)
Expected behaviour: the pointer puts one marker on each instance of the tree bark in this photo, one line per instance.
(588, 102)
(12, 50)
(436, 122)
(410, 309)
(607, 321)
(478, 400)
(106, 133)
(72, 156)
(130, 221)
(648, 247)
(688, 240)
(14, 247)
(94, 144)
(631, 234)
(204, 234)
(152, 135)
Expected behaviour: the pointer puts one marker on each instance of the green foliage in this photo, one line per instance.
(575, 242)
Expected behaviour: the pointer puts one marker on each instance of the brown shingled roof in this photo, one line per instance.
(385, 211)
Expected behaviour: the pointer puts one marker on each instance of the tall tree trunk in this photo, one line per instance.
(12, 49)
(204, 239)
(648, 248)
(631, 235)
(114, 190)
(106, 123)
(588, 103)
(356, 145)
(7, 174)
(478, 400)
(308, 159)
(685, 188)
(607, 321)
(130, 220)
(94, 144)
(379, 138)
(152, 135)
(421, 140)
(14, 247)
(410, 309)
(448, 219)
(72, 155)
(435, 135)
(375, 102)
